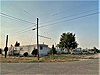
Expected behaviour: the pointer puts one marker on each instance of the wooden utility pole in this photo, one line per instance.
(6, 40)
(37, 40)
(6, 48)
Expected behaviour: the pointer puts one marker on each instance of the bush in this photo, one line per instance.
(25, 54)
(34, 52)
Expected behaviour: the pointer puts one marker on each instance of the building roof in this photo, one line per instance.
(36, 45)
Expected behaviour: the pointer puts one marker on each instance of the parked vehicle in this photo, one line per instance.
(75, 51)
(85, 52)
(91, 51)
(59, 51)
(64, 51)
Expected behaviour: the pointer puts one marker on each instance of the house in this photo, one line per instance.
(20, 50)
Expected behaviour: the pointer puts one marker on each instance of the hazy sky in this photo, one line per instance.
(79, 17)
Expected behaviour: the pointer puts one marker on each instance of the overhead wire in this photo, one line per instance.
(70, 16)
(67, 20)
(29, 13)
(24, 30)
(44, 15)
(29, 26)
(67, 17)
(10, 17)
(44, 36)
(63, 21)
(16, 18)
(70, 19)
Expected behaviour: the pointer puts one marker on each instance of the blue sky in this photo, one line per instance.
(58, 15)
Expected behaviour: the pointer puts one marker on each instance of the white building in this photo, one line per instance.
(76, 51)
(43, 49)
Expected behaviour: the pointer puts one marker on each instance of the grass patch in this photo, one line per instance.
(49, 58)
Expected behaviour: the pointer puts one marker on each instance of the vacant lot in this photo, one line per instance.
(50, 58)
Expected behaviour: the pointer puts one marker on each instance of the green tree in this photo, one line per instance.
(67, 41)
(96, 50)
(17, 44)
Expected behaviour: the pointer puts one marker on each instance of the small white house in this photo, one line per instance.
(43, 49)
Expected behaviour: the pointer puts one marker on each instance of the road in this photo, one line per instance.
(83, 67)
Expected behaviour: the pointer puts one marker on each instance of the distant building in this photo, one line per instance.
(43, 50)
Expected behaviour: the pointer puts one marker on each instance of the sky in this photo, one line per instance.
(57, 17)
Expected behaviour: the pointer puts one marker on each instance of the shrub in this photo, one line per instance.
(26, 54)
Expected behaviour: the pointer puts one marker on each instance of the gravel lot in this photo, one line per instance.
(83, 67)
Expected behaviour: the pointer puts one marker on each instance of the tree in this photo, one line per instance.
(96, 50)
(17, 44)
(67, 41)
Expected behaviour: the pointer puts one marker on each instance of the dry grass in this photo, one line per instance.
(50, 58)
(14, 59)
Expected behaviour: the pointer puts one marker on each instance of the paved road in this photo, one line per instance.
(83, 67)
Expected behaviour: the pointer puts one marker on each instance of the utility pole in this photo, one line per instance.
(6, 48)
(37, 40)
(6, 40)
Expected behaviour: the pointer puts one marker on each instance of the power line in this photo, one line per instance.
(15, 18)
(70, 19)
(57, 19)
(67, 20)
(29, 14)
(79, 13)
(44, 37)
(70, 15)
(48, 13)
(55, 12)
(64, 21)
(59, 22)
(24, 29)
